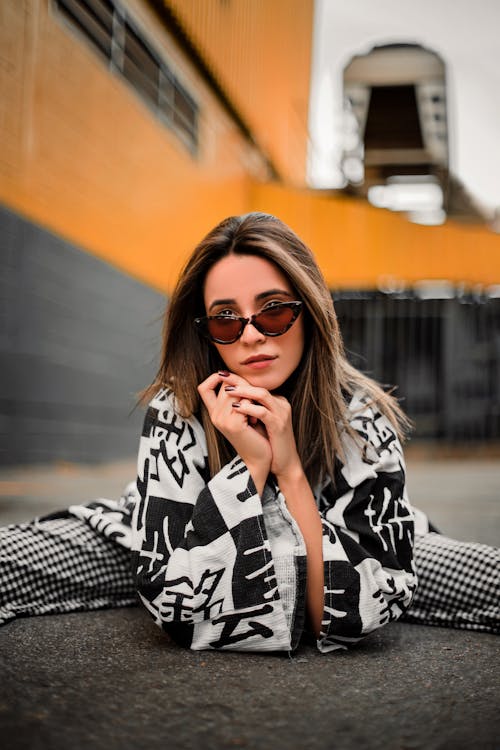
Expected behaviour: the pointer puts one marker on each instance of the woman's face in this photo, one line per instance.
(243, 285)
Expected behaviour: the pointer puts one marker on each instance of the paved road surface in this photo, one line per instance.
(461, 496)
(111, 680)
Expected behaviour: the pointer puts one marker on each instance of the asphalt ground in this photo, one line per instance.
(113, 680)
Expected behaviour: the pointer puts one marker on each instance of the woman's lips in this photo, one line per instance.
(258, 363)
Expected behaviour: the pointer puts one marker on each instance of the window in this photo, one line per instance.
(113, 34)
(184, 112)
(93, 18)
(140, 66)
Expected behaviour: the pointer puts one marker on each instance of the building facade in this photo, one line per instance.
(128, 130)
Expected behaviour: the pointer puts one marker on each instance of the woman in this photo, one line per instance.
(270, 474)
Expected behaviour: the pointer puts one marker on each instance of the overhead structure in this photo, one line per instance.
(396, 127)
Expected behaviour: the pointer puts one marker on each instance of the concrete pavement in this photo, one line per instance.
(461, 496)
(112, 680)
(109, 680)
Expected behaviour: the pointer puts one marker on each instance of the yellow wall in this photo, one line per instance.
(82, 155)
(260, 52)
(359, 246)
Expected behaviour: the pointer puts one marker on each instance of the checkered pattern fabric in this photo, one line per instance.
(60, 564)
(459, 584)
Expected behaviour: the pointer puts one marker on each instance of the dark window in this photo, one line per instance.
(167, 87)
(94, 18)
(393, 120)
(140, 66)
(185, 114)
(113, 33)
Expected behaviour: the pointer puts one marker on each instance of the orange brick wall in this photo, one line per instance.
(260, 52)
(83, 155)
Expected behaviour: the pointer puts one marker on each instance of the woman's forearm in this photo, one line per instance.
(302, 506)
(259, 475)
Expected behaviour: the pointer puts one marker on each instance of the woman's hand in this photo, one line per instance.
(259, 426)
(269, 415)
(246, 435)
(274, 415)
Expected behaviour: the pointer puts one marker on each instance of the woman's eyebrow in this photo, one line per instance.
(258, 298)
(218, 302)
(271, 292)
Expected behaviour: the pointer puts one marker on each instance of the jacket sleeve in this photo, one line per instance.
(368, 534)
(201, 557)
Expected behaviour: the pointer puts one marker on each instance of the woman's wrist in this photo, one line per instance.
(295, 487)
(258, 474)
(291, 476)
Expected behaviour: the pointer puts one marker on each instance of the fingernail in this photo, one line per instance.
(235, 405)
(229, 388)
(224, 373)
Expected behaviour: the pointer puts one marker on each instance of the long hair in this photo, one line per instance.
(319, 389)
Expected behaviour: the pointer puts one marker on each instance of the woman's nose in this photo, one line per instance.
(251, 335)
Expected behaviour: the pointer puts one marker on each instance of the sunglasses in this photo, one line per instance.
(272, 321)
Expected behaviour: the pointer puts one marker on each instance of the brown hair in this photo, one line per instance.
(319, 389)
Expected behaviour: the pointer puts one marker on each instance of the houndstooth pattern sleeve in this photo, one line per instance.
(200, 553)
(368, 531)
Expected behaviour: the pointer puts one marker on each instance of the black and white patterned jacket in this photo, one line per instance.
(219, 567)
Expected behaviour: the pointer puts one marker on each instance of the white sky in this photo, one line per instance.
(466, 33)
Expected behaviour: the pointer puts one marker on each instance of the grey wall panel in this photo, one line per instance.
(442, 354)
(78, 340)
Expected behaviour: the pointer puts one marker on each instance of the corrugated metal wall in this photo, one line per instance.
(78, 340)
(442, 354)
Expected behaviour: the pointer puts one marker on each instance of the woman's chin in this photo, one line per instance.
(265, 378)
(266, 381)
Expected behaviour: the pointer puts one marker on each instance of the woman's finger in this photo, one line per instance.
(241, 407)
(207, 389)
(250, 409)
(252, 393)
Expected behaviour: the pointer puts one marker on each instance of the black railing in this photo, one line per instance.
(442, 354)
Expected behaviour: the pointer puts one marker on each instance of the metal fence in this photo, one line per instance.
(442, 354)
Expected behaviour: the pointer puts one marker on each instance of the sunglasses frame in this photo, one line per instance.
(202, 323)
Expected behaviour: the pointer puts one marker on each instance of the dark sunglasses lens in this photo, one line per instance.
(224, 329)
(275, 320)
